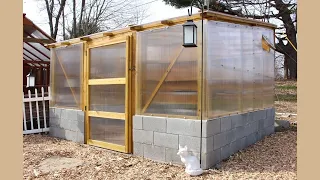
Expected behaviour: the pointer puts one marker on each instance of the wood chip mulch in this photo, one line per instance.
(271, 158)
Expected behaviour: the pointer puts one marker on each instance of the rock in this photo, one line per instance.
(57, 163)
(281, 125)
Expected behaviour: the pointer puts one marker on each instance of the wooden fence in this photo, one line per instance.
(36, 111)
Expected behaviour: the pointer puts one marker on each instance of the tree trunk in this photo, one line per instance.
(74, 18)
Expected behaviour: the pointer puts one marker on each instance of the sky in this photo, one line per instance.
(157, 10)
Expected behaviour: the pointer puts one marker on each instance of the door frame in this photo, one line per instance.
(128, 98)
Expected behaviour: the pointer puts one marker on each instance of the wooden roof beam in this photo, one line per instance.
(35, 40)
(167, 22)
(136, 28)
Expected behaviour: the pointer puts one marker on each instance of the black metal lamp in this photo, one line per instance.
(189, 34)
(31, 79)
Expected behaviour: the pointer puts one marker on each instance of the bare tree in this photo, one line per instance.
(84, 17)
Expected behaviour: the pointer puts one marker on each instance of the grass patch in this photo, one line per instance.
(286, 97)
(287, 87)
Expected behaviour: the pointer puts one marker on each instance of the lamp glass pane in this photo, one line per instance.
(195, 35)
(188, 34)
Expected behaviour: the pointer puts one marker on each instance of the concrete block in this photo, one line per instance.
(158, 124)
(51, 112)
(142, 136)
(77, 126)
(138, 149)
(223, 139)
(225, 123)
(239, 133)
(80, 116)
(63, 114)
(64, 123)
(80, 137)
(270, 112)
(238, 145)
(137, 122)
(53, 122)
(71, 135)
(57, 132)
(269, 130)
(72, 115)
(207, 144)
(210, 159)
(211, 127)
(251, 139)
(226, 152)
(187, 127)
(250, 117)
(260, 114)
(237, 120)
(166, 140)
(154, 152)
(171, 156)
(261, 124)
(193, 143)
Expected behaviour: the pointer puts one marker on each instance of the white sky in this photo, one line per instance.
(157, 10)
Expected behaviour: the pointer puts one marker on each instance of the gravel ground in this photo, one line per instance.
(271, 158)
(286, 99)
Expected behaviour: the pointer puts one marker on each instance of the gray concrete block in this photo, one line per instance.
(260, 114)
(207, 144)
(193, 143)
(166, 140)
(53, 122)
(210, 159)
(154, 152)
(211, 127)
(51, 112)
(186, 127)
(250, 117)
(63, 114)
(158, 124)
(269, 130)
(270, 112)
(251, 139)
(261, 124)
(77, 126)
(225, 123)
(57, 132)
(71, 135)
(137, 122)
(238, 145)
(171, 156)
(239, 133)
(64, 123)
(226, 152)
(80, 137)
(138, 149)
(80, 116)
(71, 114)
(142, 136)
(238, 120)
(223, 139)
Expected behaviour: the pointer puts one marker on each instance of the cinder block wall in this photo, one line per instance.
(67, 124)
(158, 138)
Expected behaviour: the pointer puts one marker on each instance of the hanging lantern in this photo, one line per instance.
(189, 34)
(31, 79)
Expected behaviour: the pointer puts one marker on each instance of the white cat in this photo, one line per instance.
(191, 162)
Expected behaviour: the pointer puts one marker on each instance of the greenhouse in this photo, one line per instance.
(146, 89)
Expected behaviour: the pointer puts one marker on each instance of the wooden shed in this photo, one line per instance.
(138, 90)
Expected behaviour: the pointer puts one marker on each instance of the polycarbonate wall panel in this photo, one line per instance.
(66, 76)
(109, 98)
(239, 73)
(107, 130)
(108, 61)
(177, 95)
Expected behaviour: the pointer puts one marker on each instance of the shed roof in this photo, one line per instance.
(212, 15)
(35, 53)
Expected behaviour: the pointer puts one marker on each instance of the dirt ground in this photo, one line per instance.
(271, 158)
(274, 157)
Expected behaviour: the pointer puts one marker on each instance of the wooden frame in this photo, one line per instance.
(127, 116)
